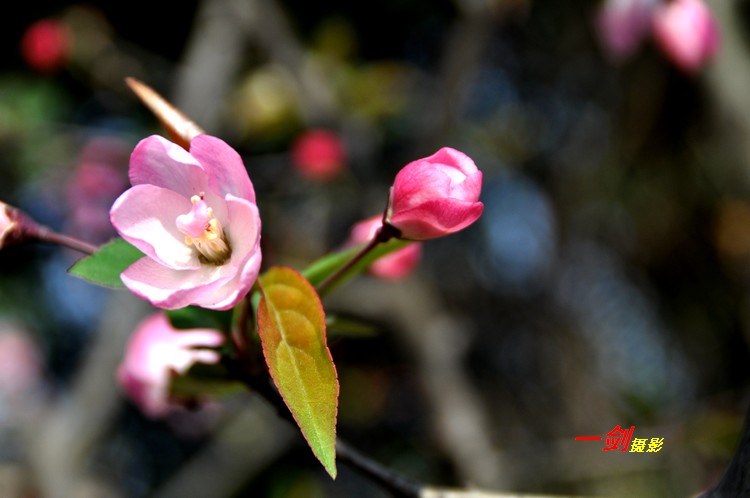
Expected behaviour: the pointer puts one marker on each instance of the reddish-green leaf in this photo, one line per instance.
(291, 325)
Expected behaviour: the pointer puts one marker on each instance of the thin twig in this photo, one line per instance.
(397, 484)
(46, 234)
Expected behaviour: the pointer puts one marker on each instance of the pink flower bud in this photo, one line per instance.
(8, 224)
(622, 25)
(155, 352)
(394, 266)
(435, 196)
(45, 45)
(687, 32)
(319, 155)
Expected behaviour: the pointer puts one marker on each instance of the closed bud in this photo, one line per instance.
(435, 196)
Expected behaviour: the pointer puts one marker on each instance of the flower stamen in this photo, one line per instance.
(204, 232)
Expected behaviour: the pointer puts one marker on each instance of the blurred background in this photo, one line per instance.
(607, 282)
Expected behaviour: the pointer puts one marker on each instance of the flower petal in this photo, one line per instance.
(418, 182)
(453, 158)
(171, 289)
(157, 161)
(224, 167)
(243, 228)
(246, 255)
(469, 189)
(145, 216)
(437, 218)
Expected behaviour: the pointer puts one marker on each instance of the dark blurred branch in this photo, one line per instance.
(398, 485)
(729, 79)
(461, 60)
(438, 343)
(62, 433)
(736, 480)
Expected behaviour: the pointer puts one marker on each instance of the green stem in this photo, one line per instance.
(384, 234)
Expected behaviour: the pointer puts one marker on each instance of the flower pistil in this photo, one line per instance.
(204, 232)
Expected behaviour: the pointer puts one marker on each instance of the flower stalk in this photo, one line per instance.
(17, 227)
(384, 234)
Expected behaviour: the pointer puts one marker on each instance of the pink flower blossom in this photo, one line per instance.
(395, 265)
(46, 45)
(97, 181)
(155, 353)
(20, 362)
(319, 155)
(622, 25)
(194, 216)
(687, 32)
(436, 196)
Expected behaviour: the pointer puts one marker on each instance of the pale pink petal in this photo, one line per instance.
(246, 255)
(157, 161)
(156, 351)
(219, 206)
(243, 228)
(149, 393)
(145, 216)
(171, 289)
(230, 293)
(687, 32)
(226, 171)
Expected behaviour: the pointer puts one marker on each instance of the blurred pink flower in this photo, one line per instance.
(436, 196)
(622, 25)
(194, 216)
(319, 155)
(396, 265)
(687, 32)
(45, 45)
(155, 353)
(8, 224)
(20, 362)
(95, 184)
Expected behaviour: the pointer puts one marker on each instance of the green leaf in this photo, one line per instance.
(319, 270)
(204, 381)
(291, 326)
(195, 317)
(341, 326)
(105, 265)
